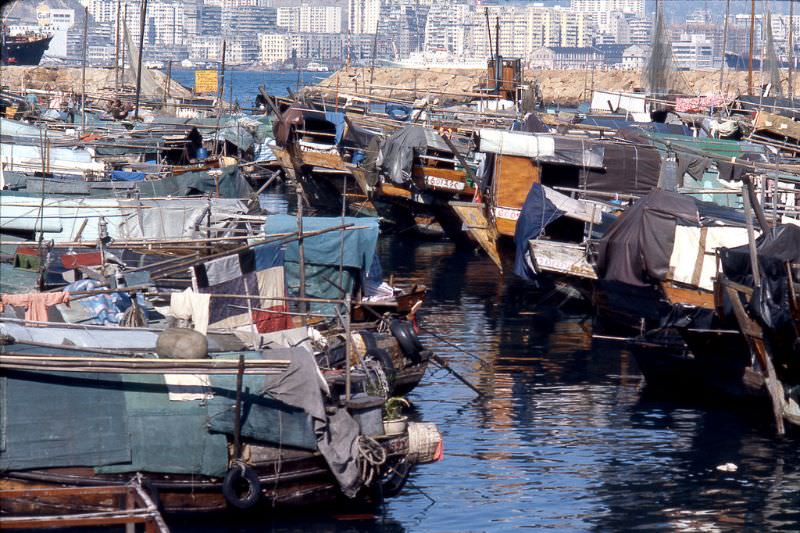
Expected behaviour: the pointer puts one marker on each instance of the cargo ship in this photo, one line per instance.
(23, 49)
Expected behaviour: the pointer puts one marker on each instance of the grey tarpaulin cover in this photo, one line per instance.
(265, 417)
(639, 244)
(774, 248)
(229, 183)
(301, 386)
(627, 169)
(399, 150)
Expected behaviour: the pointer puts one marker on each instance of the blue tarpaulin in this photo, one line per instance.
(337, 119)
(121, 175)
(537, 212)
(323, 253)
(326, 249)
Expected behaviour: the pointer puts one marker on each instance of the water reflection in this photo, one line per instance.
(567, 440)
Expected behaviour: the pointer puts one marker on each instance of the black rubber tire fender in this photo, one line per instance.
(230, 487)
(383, 357)
(409, 343)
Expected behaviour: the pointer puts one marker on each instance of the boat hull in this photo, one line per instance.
(23, 53)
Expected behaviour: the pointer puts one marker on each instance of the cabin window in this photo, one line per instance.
(561, 176)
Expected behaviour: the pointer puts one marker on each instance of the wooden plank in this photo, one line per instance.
(320, 159)
(777, 125)
(474, 218)
(755, 340)
(442, 179)
(387, 189)
(562, 257)
(447, 173)
(504, 226)
(513, 178)
(687, 296)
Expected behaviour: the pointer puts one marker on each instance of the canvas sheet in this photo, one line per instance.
(62, 419)
(693, 259)
(543, 148)
(168, 436)
(258, 271)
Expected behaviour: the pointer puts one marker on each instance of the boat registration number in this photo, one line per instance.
(444, 183)
(506, 213)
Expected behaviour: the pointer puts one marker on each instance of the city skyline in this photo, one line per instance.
(275, 33)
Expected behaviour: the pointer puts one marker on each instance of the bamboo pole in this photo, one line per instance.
(83, 67)
(724, 43)
(142, 16)
(752, 38)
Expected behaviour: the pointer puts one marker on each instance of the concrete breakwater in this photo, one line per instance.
(562, 87)
(99, 81)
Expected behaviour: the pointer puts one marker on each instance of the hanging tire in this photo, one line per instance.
(395, 478)
(241, 487)
(383, 357)
(407, 338)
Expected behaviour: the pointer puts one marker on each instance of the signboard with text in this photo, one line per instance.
(205, 81)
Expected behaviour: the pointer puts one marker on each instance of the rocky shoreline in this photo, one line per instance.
(99, 81)
(559, 87)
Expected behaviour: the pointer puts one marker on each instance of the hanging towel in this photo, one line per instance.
(191, 305)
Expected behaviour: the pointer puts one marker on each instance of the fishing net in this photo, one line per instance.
(657, 76)
(771, 65)
(150, 87)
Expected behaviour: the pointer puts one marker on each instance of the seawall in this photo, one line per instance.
(562, 87)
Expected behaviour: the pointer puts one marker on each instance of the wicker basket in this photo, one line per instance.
(424, 442)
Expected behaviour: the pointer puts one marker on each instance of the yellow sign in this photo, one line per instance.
(205, 81)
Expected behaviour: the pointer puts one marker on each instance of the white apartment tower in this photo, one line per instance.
(363, 15)
(606, 11)
(630, 7)
(308, 18)
(447, 27)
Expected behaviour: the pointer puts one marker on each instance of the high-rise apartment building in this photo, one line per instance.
(362, 16)
(447, 27)
(401, 28)
(632, 7)
(307, 18)
(607, 13)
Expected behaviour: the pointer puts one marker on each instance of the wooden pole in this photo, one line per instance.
(142, 16)
(790, 51)
(752, 38)
(124, 44)
(221, 86)
(751, 239)
(348, 349)
(237, 427)
(301, 250)
(116, 48)
(168, 82)
(372, 66)
(724, 44)
(83, 68)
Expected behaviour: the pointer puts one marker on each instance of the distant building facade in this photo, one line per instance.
(566, 57)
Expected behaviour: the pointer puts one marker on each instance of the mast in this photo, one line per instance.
(790, 52)
(116, 49)
(489, 33)
(724, 43)
(83, 68)
(750, 56)
(142, 14)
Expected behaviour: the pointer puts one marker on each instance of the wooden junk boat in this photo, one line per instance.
(215, 431)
